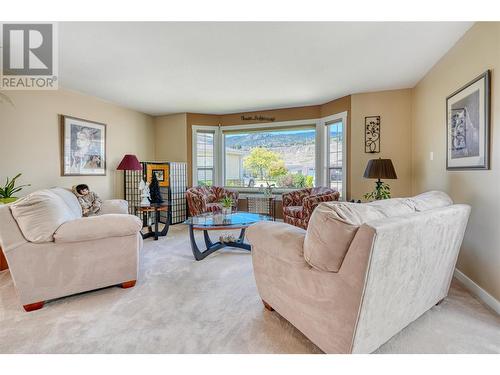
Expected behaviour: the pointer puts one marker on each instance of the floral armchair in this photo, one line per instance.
(203, 199)
(298, 205)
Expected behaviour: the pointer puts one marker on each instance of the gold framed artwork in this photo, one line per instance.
(161, 172)
(83, 147)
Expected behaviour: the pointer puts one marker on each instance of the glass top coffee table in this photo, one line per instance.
(218, 221)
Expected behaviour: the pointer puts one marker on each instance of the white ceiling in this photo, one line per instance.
(214, 67)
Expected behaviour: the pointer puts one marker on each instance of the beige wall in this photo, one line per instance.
(477, 51)
(394, 109)
(30, 138)
(171, 137)
(284, 114)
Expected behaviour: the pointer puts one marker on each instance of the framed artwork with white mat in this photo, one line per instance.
(468, 126)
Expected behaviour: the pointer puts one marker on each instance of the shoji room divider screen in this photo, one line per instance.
(172, 177)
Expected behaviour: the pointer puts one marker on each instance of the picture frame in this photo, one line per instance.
(83, 147)
(468, 125)
(161, 170)
(372, 134)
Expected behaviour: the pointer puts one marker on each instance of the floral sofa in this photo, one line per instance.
(298, 205)
(207, 199)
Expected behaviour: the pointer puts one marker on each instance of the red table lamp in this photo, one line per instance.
(129, 163)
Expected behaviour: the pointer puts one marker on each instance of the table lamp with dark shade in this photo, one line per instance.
(380, 169)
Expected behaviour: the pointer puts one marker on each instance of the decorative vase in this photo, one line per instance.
(226, 210)
(8, 200)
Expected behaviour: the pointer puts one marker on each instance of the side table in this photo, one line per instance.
(262, 205)
(156, 208)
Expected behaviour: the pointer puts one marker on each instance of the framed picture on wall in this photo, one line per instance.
(468, 125)
(83, 147)
(161, 172)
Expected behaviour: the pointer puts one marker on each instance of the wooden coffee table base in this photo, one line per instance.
(212, 247)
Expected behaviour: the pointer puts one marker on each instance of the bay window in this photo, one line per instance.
(279, 157)
(285, 155)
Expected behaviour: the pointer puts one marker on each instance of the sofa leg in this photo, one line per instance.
(34, 306)
(439, 302)
(128, 284)
(267, 306)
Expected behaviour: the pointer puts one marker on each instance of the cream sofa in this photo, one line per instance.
(361, 272)
(52, 251)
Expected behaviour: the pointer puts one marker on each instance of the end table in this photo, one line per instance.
(156, 208)
(260, 204)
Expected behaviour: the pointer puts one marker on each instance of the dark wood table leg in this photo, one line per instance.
(212, 247)
(164, 231)
(157, 219)
(240, 242)
(156, 232)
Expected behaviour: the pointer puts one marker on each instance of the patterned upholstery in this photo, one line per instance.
(294, 211)
(207, 199)
(298, 205)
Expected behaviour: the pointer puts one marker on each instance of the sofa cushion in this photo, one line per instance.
(431, 200)
(70, 199)
(394, 207)
(98, 227)
(333, 225)
(213, 207)
(294, 211)
(114, 206)
(331, 229)
(39, 214)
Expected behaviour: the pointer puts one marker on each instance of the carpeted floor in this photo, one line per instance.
(183, 306)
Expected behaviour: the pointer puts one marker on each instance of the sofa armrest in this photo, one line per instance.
(312, 201)
(98, 227)
(294, 198)
(197, 203)
(279, 240)
(11, 236)
(114, 206)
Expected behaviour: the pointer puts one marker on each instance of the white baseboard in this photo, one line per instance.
(479, 292)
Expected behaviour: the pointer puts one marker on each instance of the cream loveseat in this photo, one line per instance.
(361, 272)
(52, 251)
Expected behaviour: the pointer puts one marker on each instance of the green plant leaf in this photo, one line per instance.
(10, 187)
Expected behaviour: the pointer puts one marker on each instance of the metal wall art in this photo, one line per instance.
(372, 134)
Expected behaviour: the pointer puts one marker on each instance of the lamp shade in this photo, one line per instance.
(380, 168)
(129, 163)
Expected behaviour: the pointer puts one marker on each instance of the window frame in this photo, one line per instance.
(321, 149)
(326, 122)
(281, 124)
(194, 143)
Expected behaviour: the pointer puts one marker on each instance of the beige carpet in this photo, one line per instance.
(183, 306)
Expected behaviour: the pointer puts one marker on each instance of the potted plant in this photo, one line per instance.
(227, 204)
(9, 189)
(382, 191)
(268, 190)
